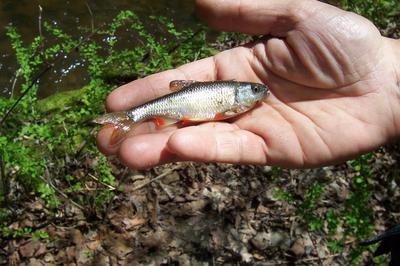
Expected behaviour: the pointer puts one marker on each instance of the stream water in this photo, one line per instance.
(70, 15)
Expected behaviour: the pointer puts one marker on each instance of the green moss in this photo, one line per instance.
(58, 101)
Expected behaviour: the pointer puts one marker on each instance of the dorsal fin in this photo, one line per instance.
(177, 85)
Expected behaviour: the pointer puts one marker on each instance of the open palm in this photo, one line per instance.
(333, 83)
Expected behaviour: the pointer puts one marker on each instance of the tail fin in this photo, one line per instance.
(122, 125)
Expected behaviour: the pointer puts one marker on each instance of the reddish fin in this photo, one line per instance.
(219, 116)
(186, 121)
(159, 121)
(164, 121)
(177, 85)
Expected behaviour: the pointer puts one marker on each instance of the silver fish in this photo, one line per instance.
(190, 101)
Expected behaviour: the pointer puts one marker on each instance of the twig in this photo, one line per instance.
(321, 258)
(14, 82)
(91, 16)
(162, 186)
(107, 185)
(156, 178)
(40, 29)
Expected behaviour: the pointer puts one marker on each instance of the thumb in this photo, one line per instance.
(230, 146)
(275, 17)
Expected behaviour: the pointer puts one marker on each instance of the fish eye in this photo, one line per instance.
(255, 89)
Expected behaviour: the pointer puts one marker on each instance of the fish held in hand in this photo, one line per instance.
(190, 101)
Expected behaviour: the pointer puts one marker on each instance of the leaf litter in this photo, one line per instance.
(208, 214)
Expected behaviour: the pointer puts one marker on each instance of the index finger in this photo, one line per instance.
(153, 86)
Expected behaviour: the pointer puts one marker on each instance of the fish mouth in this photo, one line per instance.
(267, 92)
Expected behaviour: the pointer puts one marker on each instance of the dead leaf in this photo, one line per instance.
(135, 221)
(28, 250)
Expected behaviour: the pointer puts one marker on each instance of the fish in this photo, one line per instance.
(189, 102)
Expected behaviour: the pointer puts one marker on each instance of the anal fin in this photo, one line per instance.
(161, 121)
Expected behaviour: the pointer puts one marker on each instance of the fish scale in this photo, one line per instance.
(201, 101)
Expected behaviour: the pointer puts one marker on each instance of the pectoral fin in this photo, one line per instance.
(225, 115)
(177, 85)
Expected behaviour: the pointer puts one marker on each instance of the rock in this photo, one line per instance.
(261, 240)
(298, 248)
(280, 239)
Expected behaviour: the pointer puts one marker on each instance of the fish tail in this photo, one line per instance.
(122, 125)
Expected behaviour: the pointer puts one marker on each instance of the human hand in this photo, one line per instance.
(335, 86)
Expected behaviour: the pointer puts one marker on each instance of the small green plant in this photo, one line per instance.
(306, 208)
(281, 195)
(40, 235)
(276, 172)
(15, 233)
(47, 193)
(333, 222)
(358, 217)
(335, 246)
(88, 253)
(26, 232)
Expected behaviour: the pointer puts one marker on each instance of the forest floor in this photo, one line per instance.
(209, 214)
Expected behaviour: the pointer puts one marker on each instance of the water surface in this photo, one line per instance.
(70, 73)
